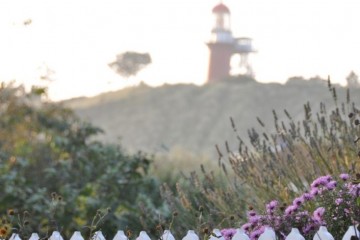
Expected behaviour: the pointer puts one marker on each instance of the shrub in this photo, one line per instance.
(45, 148)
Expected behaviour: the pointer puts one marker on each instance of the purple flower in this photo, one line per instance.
(251, 213)
(314, 192)
(331, 185)
(344, 176)
(354, 190)
(309, 228)
(291, 209)
(321, 181)
(254, 219)
(256, 234)
(298, 201)
(338, 201)
(246, 227)
(308, 196)
(228, 233)
(270, 207)
(318, 214)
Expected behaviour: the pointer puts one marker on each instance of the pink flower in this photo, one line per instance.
(318, 214)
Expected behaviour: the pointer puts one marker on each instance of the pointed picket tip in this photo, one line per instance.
(98, 235)
(56, 236)
(240, 235)
(268, 234)
(120, 235)
(323, 234)
(143, 236)
(34, 236)
(15, 236)
(295, 235)
(167, 235)
(77, 236)
(191, 235)
(352, 231)
(218, 235)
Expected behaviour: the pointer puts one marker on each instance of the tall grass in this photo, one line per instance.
(269, 165)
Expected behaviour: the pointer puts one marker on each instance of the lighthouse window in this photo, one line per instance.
(220, 21)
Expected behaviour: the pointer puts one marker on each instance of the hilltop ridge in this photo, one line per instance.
(196, 118)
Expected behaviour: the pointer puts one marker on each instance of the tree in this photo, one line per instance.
(128, 64)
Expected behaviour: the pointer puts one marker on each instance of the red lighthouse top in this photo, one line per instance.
(221, 8)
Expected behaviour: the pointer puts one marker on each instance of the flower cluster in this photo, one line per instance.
(328, 203)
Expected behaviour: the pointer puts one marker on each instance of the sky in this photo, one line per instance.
(77, 40)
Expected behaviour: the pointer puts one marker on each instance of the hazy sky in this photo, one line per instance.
(77, 39)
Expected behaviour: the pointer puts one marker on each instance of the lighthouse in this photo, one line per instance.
(223, 46)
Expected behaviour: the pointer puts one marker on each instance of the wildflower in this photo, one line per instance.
(256, 233)
(309, 228)
(307, 196)
(344, 176)
(5, 230)
(314, 192)
(246, 227)
(318, 214)
(254, 219)
(228, 233)
(338, 201)
(298, 201)
(321, 181)
(271, 206)
(331, 185)
(291, 209)
(251, 213)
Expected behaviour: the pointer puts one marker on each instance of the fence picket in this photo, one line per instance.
(295, 235)
(34, 236)
(216, 235)
(323, 234)
(191, 235)
(120, 235)
(240, 235)
(77, 236)
(352, 231)
(167, 235)
(143, 236)
(268, 234)
(56, 236)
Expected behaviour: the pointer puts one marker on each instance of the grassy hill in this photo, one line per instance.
(194, 118)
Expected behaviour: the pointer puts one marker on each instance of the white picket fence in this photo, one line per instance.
(269, 234)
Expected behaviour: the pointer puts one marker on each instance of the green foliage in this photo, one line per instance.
(45, 148)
